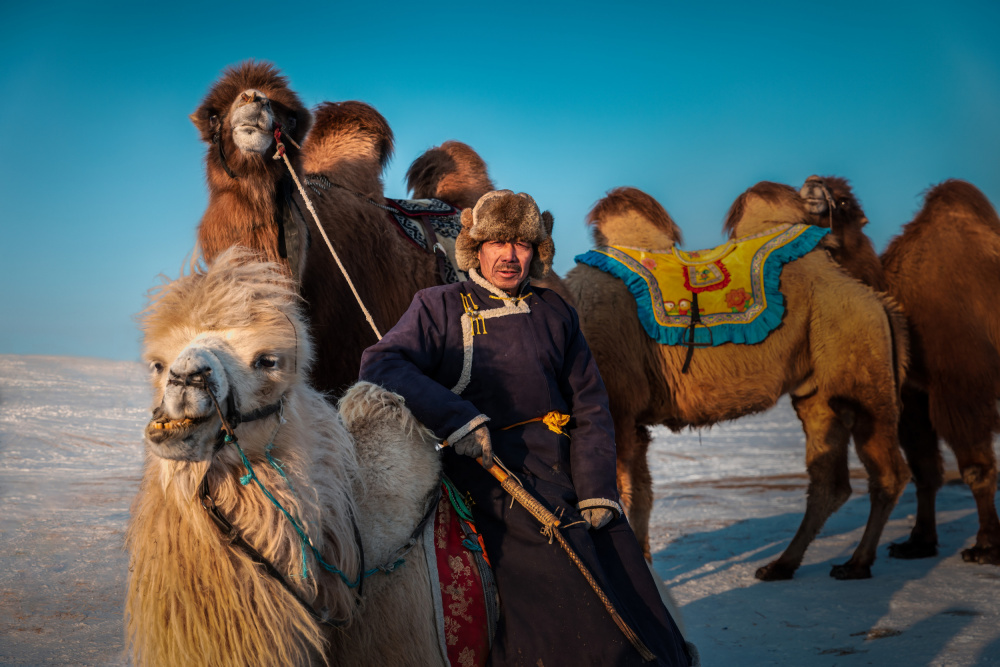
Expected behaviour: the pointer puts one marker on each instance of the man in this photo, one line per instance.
(498, 368)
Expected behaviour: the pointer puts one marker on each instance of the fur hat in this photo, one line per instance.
(502, 215)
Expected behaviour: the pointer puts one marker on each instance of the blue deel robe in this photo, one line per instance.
(467, 354)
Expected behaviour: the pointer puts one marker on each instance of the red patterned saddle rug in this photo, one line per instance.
(469, 604)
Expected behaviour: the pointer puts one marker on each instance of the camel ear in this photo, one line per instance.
(548, 221)
(207, 121)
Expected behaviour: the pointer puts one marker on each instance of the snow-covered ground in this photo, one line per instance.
(728, 500)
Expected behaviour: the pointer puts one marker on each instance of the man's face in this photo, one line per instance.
(505, 265)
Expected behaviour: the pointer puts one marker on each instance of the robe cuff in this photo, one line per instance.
(475, 423)
(600, 502)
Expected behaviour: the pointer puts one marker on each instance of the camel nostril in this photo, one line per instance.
(195, 378)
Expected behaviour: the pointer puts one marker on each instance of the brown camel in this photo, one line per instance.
(946, 395)
(836, 353)
(230, 343)
(343, 159)
(253, 202)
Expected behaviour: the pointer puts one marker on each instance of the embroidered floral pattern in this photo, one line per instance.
(462, 598)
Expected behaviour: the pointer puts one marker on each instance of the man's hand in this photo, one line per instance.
(475, 444)
(597, 517)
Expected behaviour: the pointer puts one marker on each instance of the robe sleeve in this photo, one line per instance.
(592, 446)
(408, 361)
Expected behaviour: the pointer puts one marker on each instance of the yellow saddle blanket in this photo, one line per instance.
(730, 292)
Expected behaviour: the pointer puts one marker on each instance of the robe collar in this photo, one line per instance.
(485, 290)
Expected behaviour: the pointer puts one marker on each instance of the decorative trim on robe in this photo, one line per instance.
(511, 306)
(475, 423)
(600, 502)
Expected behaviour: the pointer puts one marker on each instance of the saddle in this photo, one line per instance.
(727, 294)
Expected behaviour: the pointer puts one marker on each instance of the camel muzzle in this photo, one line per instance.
(817, 197)
(252, 120)
(197, 400)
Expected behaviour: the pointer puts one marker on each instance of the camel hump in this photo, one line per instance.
(629, 217)
(955, 199)
(452, 172)
(345, 132)
(763, 206)
(368, 410)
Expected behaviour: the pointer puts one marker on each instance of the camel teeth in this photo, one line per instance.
(170, 425)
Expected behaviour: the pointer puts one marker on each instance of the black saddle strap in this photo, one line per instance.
(695, 321)
(260, 413)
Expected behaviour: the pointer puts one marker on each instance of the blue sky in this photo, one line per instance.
(103, 183)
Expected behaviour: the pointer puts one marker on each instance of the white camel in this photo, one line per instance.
(228, 348)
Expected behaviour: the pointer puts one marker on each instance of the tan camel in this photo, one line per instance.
(835, 353)
(943, 270)
(231, 343)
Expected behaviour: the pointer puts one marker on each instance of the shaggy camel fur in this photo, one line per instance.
(835, 354)
(237, 119)
(238, 332)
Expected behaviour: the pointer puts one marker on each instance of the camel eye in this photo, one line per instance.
(265, 362)
(156, 367)
(291, 122)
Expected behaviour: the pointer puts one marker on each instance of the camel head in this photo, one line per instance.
(831, 202)
(630, 217)
(221, 344)
(764, 206)
(241, 111)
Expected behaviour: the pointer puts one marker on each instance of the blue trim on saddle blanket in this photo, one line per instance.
(722, 327)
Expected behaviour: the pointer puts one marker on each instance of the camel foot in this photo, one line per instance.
(775, 571)
(982, 555)
(912, 549)
(848, 571)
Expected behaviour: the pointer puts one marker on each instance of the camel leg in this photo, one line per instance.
(979, 470)
(876, 440)
(642, 490)
(635, 484)
(978, 464)
(920, 444)
(965, 418)
(829, 481)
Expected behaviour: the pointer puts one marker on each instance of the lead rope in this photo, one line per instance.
(280, 154)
